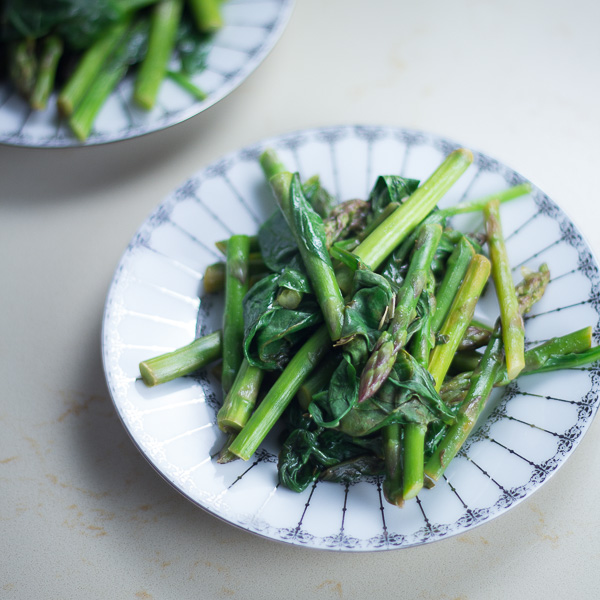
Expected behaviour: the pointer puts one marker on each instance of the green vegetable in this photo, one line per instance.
(272, 332)
(183, 361)
(207, 14)
(345, 219)
(89, 67)
(456, 268)
(459, 317)
(513, 329)
(376, 247)
(480, 387)
(394, 338)
(281, 393)
(415, 433)
(307, 229)
(161, 41)
(52, 50)
(184, 82)
(22, 66)
(236, 286)
(130, 50)
(363, 380)
(241, 398)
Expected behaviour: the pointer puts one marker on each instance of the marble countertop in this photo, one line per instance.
(82, 513)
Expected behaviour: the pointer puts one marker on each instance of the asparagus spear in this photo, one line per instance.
(456, 268)
(207, 15)
(271, 164)
(279, 396)
(562, 352)
(480, 388)
(307, 228)
(236, 286)
(215, 273)
(439, 216)
(52, 50)
(183, 361)
(414, 433)
(241, 398)
(459, 317)
(225, 456)
(377, 221)
(532, 287)
(254, 246)
(183, 81)
(128, 51)
(163, 28)
(392, 453)
(89, 67)
(377, 246)
(480, 203)
(567, 351)
(513, 329)
(345, 219)
(318, 380)
(381, 361)
(22, 66)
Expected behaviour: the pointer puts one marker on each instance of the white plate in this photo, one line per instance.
(156, 304)
(251, 29)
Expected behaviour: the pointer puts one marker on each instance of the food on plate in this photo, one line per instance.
(355, 326)
(82, 50)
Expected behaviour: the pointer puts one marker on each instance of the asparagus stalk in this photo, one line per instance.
(112, 72)
(479, 391)
(183, 81)
(89, 67)
(562, 352)
(513, 329)
(215, 274)
(281, 393)
(480, 203)
(254, 245)
(183, 361)
(305, 223)
(378, 220)
(23, 65)
(439, 216)
(381, 361)
(414, 433)
(318, 380)
(382, 241)
(207, 15)
(236, 286)
(241, 398)
(163, 28)
(392, 454)
(456, 268)
(271, 164)
(459, 317)
(225, 456)
(567, 351)
(51, 52)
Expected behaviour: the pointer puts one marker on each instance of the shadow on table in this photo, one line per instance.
(40, 175)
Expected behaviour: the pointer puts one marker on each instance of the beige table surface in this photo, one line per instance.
(82, 514)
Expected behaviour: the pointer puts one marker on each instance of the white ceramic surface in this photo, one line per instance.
(156, 303)
(251, 29)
